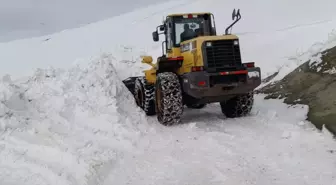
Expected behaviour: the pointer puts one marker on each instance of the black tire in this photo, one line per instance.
(168, 99)
(238, 106)
(144, 96)
(196, 106)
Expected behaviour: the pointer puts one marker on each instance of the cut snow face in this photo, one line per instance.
(63, 126)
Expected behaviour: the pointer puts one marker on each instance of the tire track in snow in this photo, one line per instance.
(271, 146)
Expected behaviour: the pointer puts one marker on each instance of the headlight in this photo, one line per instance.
(208, 44)
(235, 42)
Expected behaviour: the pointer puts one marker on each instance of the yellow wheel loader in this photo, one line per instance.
(197, 67)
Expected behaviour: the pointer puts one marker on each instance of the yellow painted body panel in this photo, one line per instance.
(174, 52)
(187, 62)
(150, 75)
(200, 40)
(192, 57)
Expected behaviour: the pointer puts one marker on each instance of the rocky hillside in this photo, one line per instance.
(313, 83)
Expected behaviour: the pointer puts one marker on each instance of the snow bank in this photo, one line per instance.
(313, 54)
(63, 126)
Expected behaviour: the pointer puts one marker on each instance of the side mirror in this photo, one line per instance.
(155, 36)
(235, 14)
(147, 59)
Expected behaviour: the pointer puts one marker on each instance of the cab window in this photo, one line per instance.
(189, 28)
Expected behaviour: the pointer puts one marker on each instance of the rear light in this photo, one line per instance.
(201, 83)
(249, 64)
(175, 58)
(234, 72)
(189, 16)
(196, 68)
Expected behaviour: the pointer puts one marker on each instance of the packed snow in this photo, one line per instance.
(61, 127)
(272, 146)
(67, 119)
(331, 71)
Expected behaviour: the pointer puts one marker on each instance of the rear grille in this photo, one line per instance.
(222, 55)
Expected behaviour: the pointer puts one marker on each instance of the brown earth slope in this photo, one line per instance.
(312, 84)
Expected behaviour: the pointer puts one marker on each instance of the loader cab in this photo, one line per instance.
(181, 27)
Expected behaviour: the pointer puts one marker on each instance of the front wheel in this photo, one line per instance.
(238, 106)
(168, 98)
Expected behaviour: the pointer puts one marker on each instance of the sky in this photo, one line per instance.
(30, 18)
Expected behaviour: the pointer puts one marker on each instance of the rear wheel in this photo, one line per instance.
(238, 106)
(168, 98)
(144, 96)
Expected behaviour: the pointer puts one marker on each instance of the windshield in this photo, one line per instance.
(189, 28)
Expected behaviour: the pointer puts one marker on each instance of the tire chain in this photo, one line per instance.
(148, 105)
(245, 103)
(171, 99)
(240, 105)
(136, 90)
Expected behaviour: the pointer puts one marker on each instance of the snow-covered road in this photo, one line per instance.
(272, 146)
